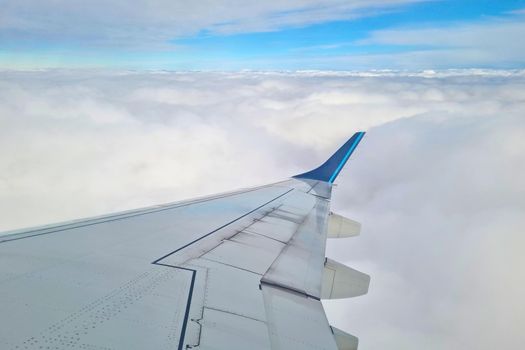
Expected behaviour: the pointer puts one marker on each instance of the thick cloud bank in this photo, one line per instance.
(437, 182)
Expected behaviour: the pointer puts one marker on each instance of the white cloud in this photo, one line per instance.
(437, 181)
(441, 197)
(65, 33)
(518, 12)
(146, 23)
(493, 42)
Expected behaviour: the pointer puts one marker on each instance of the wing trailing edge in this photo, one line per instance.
(329, 170)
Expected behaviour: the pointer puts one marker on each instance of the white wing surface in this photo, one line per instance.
(242, 270)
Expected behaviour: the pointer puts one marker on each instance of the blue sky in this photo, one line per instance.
(289, 35)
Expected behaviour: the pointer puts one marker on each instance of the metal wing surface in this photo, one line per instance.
(242, 270)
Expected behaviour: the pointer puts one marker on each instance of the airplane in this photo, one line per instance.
(238, 270)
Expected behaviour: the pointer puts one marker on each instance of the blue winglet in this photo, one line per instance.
(332, 167)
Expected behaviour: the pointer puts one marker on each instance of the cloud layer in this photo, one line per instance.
(234, 34)
(494, 42)
(437, 181)
(147, 23)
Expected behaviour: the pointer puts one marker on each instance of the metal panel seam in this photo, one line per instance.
(120, 216)
(221, 227)
(188, 302)
(288, 289)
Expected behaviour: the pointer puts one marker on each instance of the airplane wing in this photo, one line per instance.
(241, 270)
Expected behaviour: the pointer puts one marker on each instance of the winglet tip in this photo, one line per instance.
(330, 169)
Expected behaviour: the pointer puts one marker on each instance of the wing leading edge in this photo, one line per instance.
(245, 269)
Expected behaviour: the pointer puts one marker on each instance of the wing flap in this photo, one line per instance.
(300, 265)
(223, 330)
(296, 321)
(247, 256)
